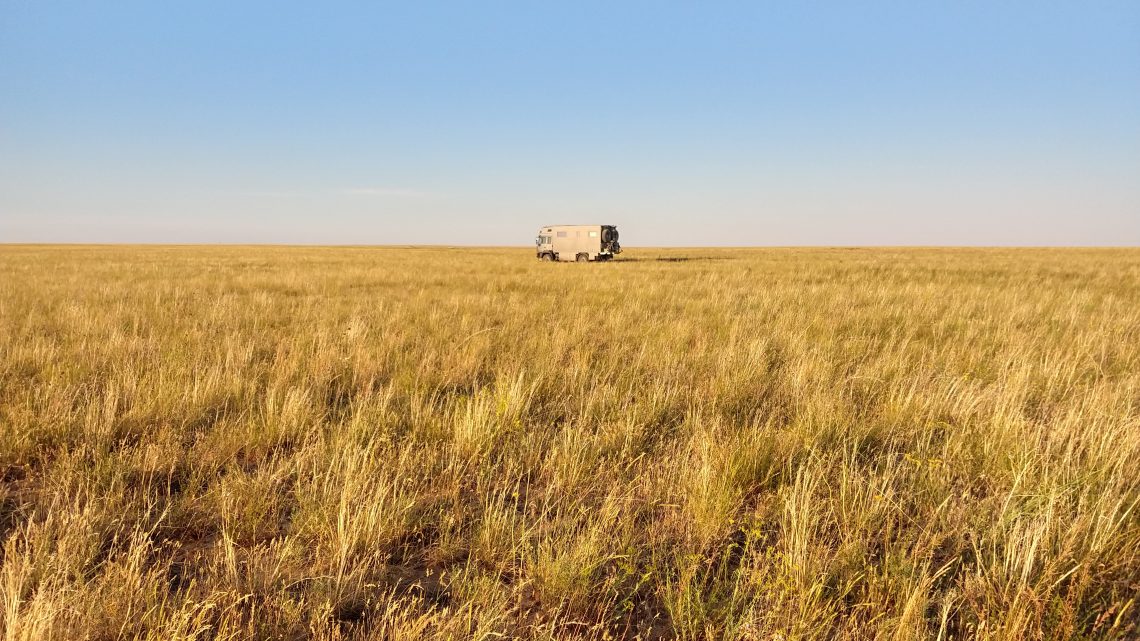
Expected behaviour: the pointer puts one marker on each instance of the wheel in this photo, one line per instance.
(546, 258)
(583, 258)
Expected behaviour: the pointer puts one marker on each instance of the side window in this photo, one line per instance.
(593, 234)
(562, 234)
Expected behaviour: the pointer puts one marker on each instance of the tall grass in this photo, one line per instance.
(351, 443)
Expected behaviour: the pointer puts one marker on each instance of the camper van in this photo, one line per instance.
(580, 243)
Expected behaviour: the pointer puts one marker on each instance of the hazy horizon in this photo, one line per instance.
(685, 125)
(530, 246)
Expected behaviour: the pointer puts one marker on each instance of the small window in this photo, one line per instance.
(593, 234)
(562, 234)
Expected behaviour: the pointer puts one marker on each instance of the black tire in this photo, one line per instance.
(609, 235)
(583, 258)
(546, 258)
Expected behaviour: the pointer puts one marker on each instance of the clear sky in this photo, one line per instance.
(813, 123)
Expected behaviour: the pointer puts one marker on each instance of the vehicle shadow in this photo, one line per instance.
(673, 259)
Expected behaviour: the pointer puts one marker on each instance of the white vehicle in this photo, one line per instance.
(577, 243)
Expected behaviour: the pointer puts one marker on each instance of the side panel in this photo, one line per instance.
(571, 240)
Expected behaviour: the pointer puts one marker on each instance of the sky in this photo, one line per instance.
(699, 123)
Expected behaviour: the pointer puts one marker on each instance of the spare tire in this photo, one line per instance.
(609, 234)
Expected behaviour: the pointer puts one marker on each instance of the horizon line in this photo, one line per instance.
(520, 247)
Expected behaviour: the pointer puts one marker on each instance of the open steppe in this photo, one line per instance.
(430, 443)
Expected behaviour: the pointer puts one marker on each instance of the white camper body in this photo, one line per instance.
(577, 243)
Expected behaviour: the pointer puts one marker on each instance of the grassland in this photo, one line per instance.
(381, 443)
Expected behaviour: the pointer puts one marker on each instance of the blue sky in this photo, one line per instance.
(816, 123)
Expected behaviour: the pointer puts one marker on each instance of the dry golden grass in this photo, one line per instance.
(349, 443)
